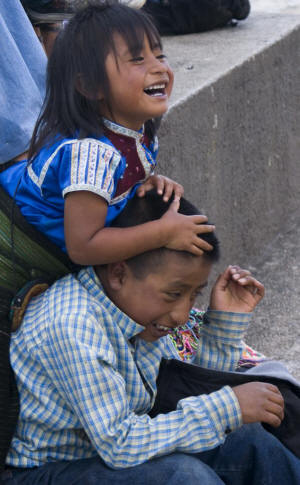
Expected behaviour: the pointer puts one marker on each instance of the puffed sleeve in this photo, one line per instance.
(90, 165)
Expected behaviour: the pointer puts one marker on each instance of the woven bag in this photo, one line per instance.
(25, 255)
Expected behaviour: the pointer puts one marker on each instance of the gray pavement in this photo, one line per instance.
(232, 137)
(275, 328)
(232, 134)
(275, 324)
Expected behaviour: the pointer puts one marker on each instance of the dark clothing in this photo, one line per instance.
(177, 380)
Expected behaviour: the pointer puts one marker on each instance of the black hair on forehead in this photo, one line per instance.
(102, 22)
(133, 31)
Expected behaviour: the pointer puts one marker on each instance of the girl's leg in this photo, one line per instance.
(175, 469)
(252, 456)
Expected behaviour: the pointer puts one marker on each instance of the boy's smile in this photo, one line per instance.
(140, 85)
(162, 299)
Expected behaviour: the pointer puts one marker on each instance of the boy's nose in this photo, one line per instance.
(181, 312)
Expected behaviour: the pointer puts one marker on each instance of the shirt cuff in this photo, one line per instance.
(87, 188)
(228, 325)
(223, 411)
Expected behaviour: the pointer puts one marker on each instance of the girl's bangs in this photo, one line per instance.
(135, 30)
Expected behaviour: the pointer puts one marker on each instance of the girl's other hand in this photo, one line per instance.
(164, 186)
(182, 231)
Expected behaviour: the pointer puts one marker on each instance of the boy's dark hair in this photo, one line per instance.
(76, 70)
(149, 208)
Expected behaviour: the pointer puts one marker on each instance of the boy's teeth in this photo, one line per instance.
(161, 327)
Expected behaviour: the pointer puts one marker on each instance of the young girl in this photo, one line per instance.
(94, 144)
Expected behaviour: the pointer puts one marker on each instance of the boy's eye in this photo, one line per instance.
(173, 294)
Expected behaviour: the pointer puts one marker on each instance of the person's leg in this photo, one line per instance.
(252, 456)
(175, 469)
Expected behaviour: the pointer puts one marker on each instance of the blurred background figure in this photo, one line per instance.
(179, 17)
(22, 80)
(47, 16)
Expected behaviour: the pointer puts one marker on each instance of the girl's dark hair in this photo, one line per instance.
(76, 70)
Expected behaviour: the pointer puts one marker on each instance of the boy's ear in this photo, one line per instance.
(82, 89)
(117, 275)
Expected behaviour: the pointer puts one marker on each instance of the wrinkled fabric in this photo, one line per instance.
(22, 79)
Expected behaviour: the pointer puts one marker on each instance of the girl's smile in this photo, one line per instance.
(140, 86)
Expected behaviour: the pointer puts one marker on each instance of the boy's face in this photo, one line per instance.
(161, 300)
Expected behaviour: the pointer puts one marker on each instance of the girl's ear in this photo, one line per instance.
(117, 275)
(82, 89)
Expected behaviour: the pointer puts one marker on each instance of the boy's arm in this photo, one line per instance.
(220, 344)
(89, 381)
(233, 298)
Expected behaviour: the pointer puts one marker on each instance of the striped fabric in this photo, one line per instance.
(87, 381)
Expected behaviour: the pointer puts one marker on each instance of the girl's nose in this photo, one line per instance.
(158, 66)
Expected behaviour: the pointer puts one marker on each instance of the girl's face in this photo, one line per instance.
(140, 86)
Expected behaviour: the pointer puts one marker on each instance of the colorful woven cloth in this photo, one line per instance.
(250, 357)
(185, 339)
(34, 255)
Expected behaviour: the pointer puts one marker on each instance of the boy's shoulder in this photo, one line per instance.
(67, 306)
(67, 319)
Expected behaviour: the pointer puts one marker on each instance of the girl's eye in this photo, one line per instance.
(137, 59)
(161, 57)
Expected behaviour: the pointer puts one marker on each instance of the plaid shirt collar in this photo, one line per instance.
(90, 281)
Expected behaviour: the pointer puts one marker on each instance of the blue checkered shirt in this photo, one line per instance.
(85, 389)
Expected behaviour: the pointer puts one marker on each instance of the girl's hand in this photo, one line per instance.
(182, 231)
(163, 185)
(236, 291)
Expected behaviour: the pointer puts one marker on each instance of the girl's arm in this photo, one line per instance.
(88, 242)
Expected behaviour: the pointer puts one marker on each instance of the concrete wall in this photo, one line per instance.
(231, 136)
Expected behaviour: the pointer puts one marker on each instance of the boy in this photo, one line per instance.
(86, 372)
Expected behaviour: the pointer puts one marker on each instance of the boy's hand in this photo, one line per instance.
(163, 185)
(236, 291)
(260, 402)
(182, 231)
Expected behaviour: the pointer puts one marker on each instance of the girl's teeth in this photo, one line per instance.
(157, 86)
(155, 90)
